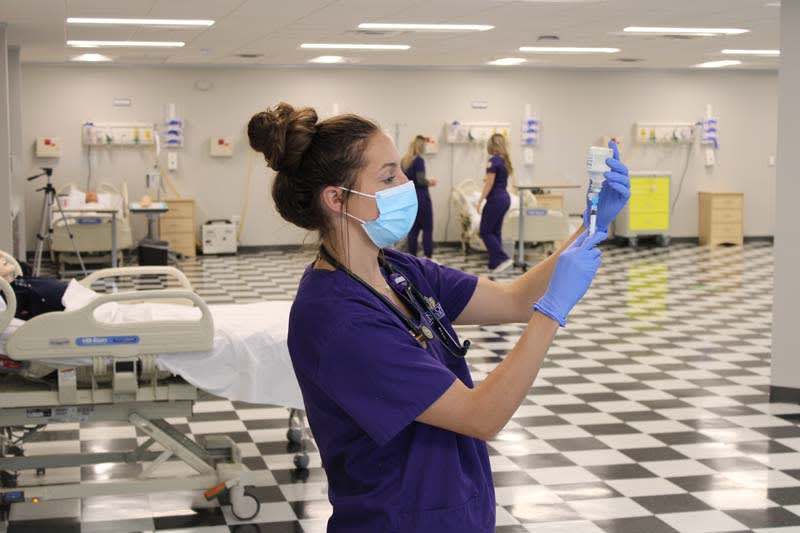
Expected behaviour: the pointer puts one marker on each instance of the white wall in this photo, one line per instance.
(576, 107)
(785, 337)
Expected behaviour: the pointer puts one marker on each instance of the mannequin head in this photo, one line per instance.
(6, 270)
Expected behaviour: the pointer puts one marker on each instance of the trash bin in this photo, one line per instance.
(153, 252)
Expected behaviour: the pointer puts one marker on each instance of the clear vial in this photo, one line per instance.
(596, 167)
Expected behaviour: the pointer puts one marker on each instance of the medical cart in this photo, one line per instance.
(648, 211)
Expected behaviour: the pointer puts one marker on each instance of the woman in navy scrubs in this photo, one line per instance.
(414, 168)
(400, 426)
(497, 203)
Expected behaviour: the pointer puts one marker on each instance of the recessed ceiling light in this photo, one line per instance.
(567, 50)
(126, 44)
(326, 46)
(423, 27)
(773, 4)
(767, 53)
(140, 22)
(92, 58)
(689, 31)
(328, 59)
(507, 61)
(719, 64)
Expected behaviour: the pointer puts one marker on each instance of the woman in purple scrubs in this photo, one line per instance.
(400, 426)
(497, 203)
(413, 167)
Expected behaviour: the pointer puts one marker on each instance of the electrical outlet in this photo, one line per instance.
(711, 159)
(172, 160)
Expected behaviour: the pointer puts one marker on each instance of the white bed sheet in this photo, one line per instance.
(249, 361)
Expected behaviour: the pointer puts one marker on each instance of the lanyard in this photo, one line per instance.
(429, 310)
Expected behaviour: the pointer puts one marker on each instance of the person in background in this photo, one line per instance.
(413, 167)
(497, 203)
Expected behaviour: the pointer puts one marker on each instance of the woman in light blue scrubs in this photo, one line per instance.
(399, 423)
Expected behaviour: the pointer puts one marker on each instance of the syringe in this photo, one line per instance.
(596, 167)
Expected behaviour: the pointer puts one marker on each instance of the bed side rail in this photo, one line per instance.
(79, 334)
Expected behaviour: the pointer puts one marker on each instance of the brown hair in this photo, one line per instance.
(415, 148)
(497, 146)
(308, 156)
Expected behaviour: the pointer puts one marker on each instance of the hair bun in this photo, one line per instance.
(282, 134)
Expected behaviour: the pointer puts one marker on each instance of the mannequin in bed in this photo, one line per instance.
(35, 296)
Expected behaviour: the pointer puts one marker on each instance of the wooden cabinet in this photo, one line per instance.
(721, 218)
(550, 201)
(177, 226)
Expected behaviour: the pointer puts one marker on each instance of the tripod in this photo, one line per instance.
(46, 223)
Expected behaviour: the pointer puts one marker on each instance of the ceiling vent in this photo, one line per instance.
(682, 37)
(377, 33)
(629, 59)
(249, 56)
(548, 38)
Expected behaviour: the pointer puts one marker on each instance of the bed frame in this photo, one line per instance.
(124, 385)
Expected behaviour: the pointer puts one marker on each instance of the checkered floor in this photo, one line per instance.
(650, 414)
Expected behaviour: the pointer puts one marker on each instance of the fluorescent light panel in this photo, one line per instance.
(719, 64)
(507, 61)
(327, 46)
(767, 53)
(328, 59)
(567, 50)
(140, 22)
(686, 31)
(92, 58)
(423, 27)
(126, 44)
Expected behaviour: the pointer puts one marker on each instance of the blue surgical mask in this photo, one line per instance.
(397, 210)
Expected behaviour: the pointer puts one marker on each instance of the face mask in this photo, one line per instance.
(397, 210)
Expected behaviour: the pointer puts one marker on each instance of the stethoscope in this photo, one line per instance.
(428, 309)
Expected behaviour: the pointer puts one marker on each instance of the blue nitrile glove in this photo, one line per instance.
(572, 277)
(615, 192)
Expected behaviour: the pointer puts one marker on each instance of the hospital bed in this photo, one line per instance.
(90, 229)
(541, 225)
(98, 363)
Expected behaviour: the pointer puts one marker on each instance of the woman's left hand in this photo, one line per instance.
(432, 182)
(615, 192)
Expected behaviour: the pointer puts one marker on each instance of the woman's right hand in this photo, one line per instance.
(572, 277)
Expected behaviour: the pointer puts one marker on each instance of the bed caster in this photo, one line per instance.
(301, 461)
(294, 435)
(41, 471)
(244, 504)
(300, 475)
(633, 242)
(663, 240)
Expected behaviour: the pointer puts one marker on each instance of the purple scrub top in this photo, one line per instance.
(497, 167)
(417, 167)
(365, 380)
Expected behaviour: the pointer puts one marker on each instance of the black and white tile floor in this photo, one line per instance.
(650, 415)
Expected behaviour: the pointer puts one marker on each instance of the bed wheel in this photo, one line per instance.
(301, 461)
(41, 471)
(244, 505)
(294, 436)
